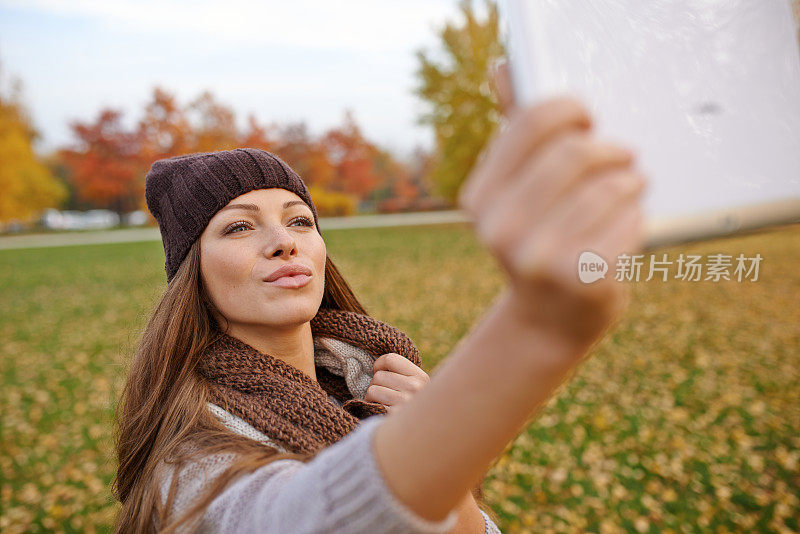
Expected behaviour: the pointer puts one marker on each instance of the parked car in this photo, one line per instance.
(135, 218)
(79, 220)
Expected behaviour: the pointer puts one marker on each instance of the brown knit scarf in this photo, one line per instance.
(286, 404)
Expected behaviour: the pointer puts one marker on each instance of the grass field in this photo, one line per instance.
(686, 417)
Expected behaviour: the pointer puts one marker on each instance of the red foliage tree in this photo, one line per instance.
(305, 155)
(106, 167)
(352, 157)
(109, 164)
(213, 125)
(257, 136)
(164, 129)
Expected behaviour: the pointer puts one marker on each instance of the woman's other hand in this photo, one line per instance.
(395, 380)
(544, 191)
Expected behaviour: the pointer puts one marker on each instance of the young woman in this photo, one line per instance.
(263, 397)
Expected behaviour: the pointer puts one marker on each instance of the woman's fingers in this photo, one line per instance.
(562, 168)
(387, 396)
(398, 382)
(623, 235)
(602, 216)
(503, 86)
(528, 129)
(563, 165)
(545, 191)
(579, 220)
(598, 201)
(391, 361)
(395, 379)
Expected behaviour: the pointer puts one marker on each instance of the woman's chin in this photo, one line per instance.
(290, 311)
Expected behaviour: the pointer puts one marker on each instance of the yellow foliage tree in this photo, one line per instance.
(26, 185)
(332, 203)
(462, 108)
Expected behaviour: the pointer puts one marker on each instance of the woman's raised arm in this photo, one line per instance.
(545, 191)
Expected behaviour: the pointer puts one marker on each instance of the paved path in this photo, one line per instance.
(60, 239)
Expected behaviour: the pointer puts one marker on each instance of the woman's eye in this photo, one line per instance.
(305, 220)
(231, 229)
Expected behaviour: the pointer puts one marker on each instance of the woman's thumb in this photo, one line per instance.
(500, 75)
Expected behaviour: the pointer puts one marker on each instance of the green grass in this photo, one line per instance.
(685, 418)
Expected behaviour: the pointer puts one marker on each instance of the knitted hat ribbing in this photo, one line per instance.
(184, 192)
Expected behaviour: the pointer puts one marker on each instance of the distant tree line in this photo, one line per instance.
(105, 163)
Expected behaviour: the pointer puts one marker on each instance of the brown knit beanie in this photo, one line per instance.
(184, 192)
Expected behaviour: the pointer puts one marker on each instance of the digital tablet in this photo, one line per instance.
(705, 92)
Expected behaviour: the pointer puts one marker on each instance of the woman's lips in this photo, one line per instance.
(291, 282)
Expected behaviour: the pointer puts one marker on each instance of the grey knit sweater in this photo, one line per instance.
(341, 490)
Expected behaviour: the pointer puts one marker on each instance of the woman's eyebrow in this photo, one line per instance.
(253, 207)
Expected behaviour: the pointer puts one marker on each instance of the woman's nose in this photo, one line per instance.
(280, 242)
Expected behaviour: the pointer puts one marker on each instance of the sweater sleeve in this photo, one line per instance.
(341, 490)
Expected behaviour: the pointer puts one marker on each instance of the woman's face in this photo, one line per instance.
(247, 241)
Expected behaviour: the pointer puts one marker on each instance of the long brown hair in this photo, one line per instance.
(163, 403)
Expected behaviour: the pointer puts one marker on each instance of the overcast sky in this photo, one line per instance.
(281, 60)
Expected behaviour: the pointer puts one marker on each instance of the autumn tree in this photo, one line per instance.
(26, 185)
(213, 124)
(463, 110)
(352, 157)
(164, 129)
(257, 136)
(396, 185)
(106, 166)
(420, 165)
(306, 155)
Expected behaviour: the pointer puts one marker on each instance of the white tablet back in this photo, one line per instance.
(706, 92)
